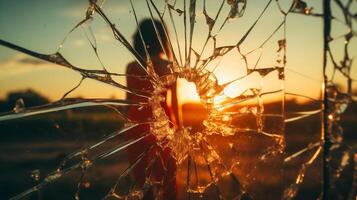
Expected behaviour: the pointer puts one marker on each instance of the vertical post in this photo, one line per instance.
(325, 123)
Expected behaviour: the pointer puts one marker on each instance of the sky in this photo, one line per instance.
(41, 25)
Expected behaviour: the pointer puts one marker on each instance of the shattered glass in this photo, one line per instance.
(239, 140)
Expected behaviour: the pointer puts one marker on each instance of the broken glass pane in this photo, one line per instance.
(201, 102)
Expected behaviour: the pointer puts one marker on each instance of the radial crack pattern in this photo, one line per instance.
(229, 145)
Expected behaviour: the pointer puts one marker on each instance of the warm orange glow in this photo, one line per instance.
(186, 92)
(238, 84)
(191, 112)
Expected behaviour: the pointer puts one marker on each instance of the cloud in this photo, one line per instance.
(20, 64)
(28, 60)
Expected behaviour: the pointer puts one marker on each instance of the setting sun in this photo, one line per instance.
(186, 92)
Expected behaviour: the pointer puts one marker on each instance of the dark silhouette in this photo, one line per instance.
(30, 97)
(157, 53)
(151, 40)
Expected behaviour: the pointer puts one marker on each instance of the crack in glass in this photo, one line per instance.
(204, 159)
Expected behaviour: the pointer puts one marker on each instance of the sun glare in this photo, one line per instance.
(186, 92)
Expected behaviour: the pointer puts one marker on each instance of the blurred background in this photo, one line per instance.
(32, 147)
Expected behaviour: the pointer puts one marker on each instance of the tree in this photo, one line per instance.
(30, 98)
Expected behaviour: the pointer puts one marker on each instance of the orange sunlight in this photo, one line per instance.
(186, 92)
